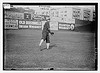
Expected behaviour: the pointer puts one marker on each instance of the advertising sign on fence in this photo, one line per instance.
(34, 24)
(22, 22)
(67, 26)
(29, 24)
(11, 24)
(23, 26)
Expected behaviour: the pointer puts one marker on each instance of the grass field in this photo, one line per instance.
(68, 50)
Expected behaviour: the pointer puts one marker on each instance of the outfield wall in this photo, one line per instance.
(84, 26)
(16, 20)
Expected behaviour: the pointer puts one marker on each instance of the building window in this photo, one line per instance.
(46, 13)
(42, 12)
(65, 11)
(76, 13)
(86, 15)
(65, 15)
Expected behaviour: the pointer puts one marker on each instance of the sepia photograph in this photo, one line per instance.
(50, 36)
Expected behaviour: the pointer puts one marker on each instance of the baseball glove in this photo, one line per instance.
(52, 33)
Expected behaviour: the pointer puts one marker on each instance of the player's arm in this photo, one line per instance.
(50, 31)
(48, 28)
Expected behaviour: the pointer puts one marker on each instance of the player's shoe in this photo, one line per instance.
(48, 48)
(40, 48)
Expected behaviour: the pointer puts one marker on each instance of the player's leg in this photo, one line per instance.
(47, 41)
(43, 39)
(41, 42)
(48, 44)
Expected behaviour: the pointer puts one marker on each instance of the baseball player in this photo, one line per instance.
(45, 34)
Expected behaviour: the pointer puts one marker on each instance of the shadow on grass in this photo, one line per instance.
(51, 46)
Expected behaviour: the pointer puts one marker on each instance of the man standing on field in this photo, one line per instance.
(45, 34)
